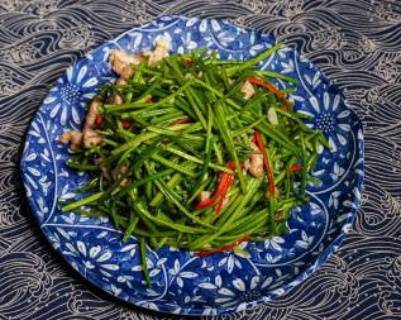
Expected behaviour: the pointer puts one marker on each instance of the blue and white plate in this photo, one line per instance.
(183, 283)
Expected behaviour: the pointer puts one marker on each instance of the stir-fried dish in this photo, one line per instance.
(193, 152)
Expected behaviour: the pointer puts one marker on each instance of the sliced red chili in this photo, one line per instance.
(219, 206)
(272, 88)
(296, 167)
(257, 138)
(229, 181)
(127, 123)
(217, 194)
(207, 203)
(224, 183)
(207, 252)
(268, 86)
(285, 106)
(231, 165)
(99, 121)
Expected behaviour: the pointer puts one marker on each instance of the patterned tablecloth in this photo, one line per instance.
(356, 43)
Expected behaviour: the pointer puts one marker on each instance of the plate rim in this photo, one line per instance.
(331, 248)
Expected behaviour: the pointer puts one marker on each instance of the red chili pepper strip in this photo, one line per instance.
(296, 167)
(272, 88)
(220, 188)
(99, 121)
(219, 206)
(206, 252)
(268, 86)
(223, 181)
(231, 165)
(285, 106)
(260, 144)
(126, 123)
(228, 183)
(208, 202)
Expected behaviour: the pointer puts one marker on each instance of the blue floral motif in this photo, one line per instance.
(71, 93)
(180, 275)
(230, 261)
(188, 44)
(92, 257)
(336, 122)
(328, 118)
(274, 243)
(182, 282)
(154, 266)
(240, 293)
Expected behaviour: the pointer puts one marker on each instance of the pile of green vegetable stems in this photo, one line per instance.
(182, 122)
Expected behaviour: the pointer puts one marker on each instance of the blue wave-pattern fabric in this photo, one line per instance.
(39, 40)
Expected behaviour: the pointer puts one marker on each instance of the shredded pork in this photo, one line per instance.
(160, 52)
(204, 195)
(92, 113)
(121, 62)
(121, 81)
(117, 99)
(248, 90)
(73, 137)
(256, 162)
(91, 138)
(88, 137)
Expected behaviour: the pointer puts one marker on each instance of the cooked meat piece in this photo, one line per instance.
(161, 51)
(256, 162)
(256, 167)
(247, 164)
(121, 81)
(117, 99)
(73, 137)
(91, 138)
(88, 136)
(204, 195)
(92, 113)
(127, 72)
(248, 90)
(121, 62)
